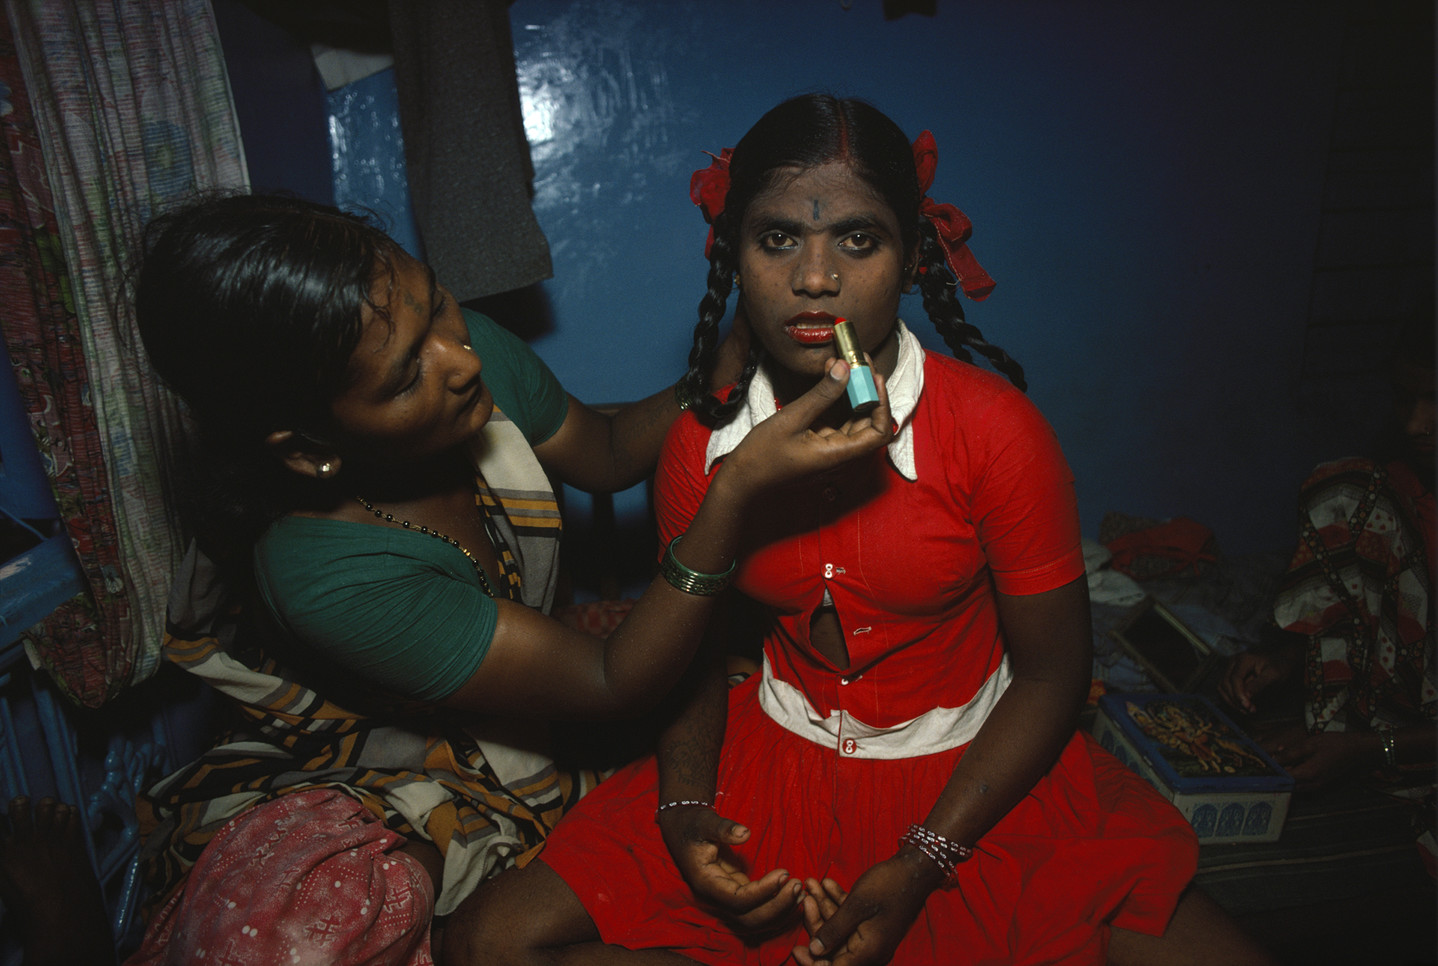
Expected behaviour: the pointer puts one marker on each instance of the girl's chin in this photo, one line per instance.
(792, 379)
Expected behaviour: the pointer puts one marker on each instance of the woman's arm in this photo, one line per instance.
(606, 450)
(602, 451)
(536, 666)
(1317, 761)
(1050, 646)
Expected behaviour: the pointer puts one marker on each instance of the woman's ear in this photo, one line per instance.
(303, 455)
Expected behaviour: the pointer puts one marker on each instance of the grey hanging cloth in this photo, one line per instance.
(470, 174)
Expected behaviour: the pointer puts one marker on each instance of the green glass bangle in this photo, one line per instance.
(1390, 749)
(682, 578)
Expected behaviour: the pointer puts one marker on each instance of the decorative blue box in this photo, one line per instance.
(1227, 787)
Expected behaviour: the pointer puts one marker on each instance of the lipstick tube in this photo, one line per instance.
(863, 394)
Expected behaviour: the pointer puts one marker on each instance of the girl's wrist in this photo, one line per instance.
(942, 854)
(923, 871)
(676, 805)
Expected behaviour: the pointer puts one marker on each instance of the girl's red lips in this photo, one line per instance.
(811, 328)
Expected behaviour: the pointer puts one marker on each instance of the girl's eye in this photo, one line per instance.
(413, 384)
(774, 241)
(858, 242)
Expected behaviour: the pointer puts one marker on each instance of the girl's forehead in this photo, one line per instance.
(829, 176)
(829, 183)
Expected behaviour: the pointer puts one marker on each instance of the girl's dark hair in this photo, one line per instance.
(806, 132)
(249, 307)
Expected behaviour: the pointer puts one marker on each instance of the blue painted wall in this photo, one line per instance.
(1144, 179)
(1144, 182)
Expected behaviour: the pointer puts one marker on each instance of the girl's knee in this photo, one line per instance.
(520, 917)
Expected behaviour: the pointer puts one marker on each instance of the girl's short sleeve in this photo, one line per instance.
(679, 481)
(1024, 504)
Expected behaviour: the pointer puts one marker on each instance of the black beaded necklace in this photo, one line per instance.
(389, 518)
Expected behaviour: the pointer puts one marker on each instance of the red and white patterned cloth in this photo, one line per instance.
(307, 878)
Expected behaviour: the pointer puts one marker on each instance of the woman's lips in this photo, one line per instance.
(479, 392)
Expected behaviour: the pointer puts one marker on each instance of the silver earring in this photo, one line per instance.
(736, 280)
(325, 470)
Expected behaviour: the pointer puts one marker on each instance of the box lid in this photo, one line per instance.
(1192, 745)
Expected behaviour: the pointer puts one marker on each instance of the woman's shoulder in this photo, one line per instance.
(1351, 466)
(374, 599)
(317, 553)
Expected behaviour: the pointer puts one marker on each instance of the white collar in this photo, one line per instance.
(904, 385)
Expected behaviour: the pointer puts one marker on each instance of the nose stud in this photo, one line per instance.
(834, 276)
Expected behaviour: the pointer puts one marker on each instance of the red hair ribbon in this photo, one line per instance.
(954, 227)
(708, 188)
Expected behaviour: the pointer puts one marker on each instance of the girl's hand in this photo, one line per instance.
(866, 925)
(788, 446)
(821, 901)
(701, 843)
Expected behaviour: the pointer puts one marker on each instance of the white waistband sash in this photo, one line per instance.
(932, 731)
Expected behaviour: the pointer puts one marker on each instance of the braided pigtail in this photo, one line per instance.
(704, 352)
(939, 289)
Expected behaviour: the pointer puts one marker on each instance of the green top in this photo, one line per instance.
(398, 607)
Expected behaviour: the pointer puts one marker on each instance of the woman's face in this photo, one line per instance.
(819, 245)
(415, 386)
(1413, 409)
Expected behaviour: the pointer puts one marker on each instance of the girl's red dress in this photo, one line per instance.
(827, 766)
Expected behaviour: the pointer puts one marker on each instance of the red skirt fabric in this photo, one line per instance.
(1092, 846)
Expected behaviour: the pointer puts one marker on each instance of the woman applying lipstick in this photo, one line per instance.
(375, 556)
(902, 781)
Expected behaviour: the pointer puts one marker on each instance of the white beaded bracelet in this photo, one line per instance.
(942, 851)
(679, 804)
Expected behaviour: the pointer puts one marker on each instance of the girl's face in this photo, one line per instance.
(415, 386)
(819, 245)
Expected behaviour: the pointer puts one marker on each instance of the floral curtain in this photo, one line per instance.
(112, 109)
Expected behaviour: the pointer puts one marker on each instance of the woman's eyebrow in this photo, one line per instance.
(433, 289)
(399, 366)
